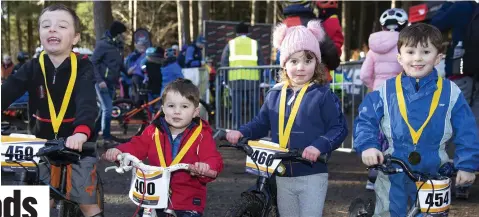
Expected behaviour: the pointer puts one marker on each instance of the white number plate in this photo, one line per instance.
(438, 202)
(155, 189)
(15, 150)
(263, 152)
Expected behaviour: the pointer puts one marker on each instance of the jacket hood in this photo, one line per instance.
(382, 42)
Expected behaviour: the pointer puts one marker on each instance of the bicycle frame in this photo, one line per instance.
(146, 107)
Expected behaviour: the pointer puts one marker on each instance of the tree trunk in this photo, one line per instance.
(346, 30)
(30, 38)
(269, 10)
(203, 12)
(183, 27)
(9, 48)
(254, 12)
(393, 3)
(102, 17)
(19, 32)
(362, 17)
(135, 7)
(130, 17)
(406, 5)
(376, 14)
(275, 12)
(193, 19)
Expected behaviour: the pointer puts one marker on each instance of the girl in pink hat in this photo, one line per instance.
(304, 103)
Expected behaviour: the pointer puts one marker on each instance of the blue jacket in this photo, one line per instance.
(319, 122)
(170, 72)
(193, 57)
(453, 118)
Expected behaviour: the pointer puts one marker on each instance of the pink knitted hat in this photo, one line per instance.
(297, 38)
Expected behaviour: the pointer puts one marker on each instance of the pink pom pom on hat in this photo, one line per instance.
(298, 38)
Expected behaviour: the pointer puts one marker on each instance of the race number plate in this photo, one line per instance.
(17, 150)
(436, 202)
(263, 152)
(155, 189)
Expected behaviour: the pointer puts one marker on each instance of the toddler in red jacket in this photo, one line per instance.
(175, 127)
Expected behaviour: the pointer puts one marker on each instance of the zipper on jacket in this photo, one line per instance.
(417, 85)
(54, 76)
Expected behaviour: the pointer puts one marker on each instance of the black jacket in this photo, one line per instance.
(82, 109)
(108, 54)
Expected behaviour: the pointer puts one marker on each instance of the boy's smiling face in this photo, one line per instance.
(418, 61)
(57, 32)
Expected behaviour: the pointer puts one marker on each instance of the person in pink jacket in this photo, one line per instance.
(381, 60)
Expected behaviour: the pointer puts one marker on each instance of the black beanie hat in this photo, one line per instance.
(241, 28)
(117, 28)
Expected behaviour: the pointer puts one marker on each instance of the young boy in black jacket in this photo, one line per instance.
(61, 99)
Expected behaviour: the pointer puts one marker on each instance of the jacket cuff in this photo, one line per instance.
(83, 129)
(323, 145)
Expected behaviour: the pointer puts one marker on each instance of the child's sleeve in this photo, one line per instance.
(260, 125)
(86, 110)
(466, 157)
(366, 126)
(367, 71)
(16, 85)
(138, 146)
(208, 154)
(335, 123)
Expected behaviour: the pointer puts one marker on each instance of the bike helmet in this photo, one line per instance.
(305, 4)
(21, 56)
(154, 52)
(327, 4)
(394, 19)
(170, 53)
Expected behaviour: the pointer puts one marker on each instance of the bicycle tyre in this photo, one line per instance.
(69, 209)
(248, 206)
(363, 206)
(119, 116)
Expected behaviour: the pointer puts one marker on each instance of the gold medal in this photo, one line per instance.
(414, 158)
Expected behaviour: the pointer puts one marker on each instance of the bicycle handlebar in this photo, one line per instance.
(387, 168)
(128, 161)
(243, 145)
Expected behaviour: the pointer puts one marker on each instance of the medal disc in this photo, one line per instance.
(414, 158)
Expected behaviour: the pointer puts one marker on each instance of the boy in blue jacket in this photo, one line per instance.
(418, 112)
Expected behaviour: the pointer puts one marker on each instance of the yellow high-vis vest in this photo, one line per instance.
(243, 54)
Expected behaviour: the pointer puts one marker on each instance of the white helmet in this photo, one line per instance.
(394, 19)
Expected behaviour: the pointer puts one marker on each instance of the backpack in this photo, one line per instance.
(471, 45)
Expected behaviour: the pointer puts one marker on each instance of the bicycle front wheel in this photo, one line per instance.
(123, 125)
(248, 206)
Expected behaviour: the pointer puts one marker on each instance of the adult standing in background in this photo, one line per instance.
(243, 51)
(107, 61)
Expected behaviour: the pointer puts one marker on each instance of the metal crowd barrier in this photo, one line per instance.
(239, 101)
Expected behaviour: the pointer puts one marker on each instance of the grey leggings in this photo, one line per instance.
(302, 196)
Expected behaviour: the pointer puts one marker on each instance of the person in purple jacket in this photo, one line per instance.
(304, 104)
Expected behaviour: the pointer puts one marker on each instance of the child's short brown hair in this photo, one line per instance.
(62, 7)
(186, 88)
(420, 34)
(320, 70)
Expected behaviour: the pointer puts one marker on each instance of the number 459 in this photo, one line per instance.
(20, 153)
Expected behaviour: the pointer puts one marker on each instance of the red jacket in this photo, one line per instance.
(189, 192)
(334, 31)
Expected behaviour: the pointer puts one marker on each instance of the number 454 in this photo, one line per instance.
(438, 200)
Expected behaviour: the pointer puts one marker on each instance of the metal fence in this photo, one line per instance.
(237, 101)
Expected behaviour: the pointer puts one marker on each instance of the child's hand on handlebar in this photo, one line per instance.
(111, 154)
(372, 156)
(464, 178)
(233, 136)
(311, 153)
(200, 169)
(76, 141)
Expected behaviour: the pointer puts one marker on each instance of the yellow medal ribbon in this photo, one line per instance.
(285, 132)
(415, 135)
(57, 120)
(183, 151)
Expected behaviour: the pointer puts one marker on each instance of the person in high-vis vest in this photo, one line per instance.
(245, 52)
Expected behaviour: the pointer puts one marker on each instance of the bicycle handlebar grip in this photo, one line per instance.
(323, 158)
(89, 147)
(209, 173)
